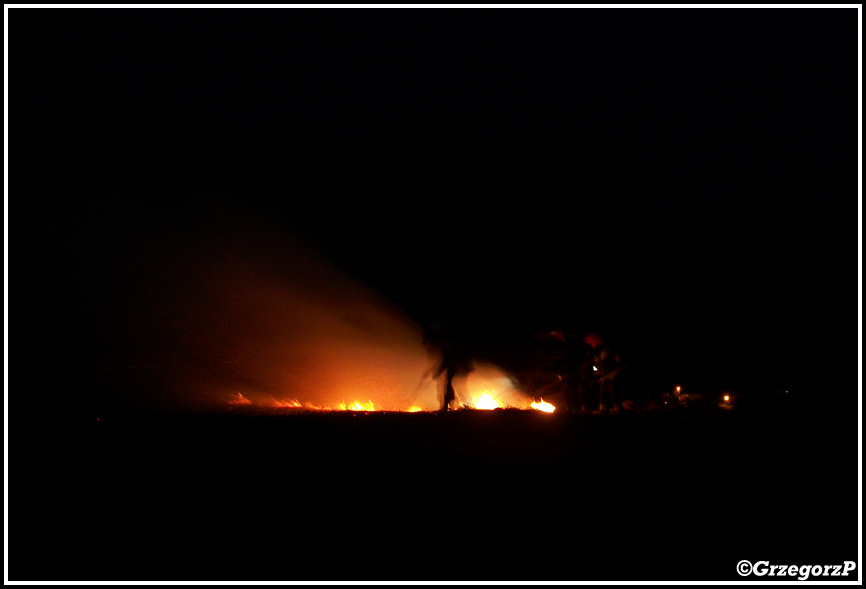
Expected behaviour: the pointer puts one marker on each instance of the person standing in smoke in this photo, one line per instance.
(454, 361)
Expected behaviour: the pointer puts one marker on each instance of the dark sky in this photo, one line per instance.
(581, 167)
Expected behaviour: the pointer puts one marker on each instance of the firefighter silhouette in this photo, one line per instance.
(606, 367)
(568, 358)
(454, 361)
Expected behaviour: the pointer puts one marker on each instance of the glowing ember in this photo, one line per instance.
(543, 406)
(487, 402)
(413, 409)
(239, 400)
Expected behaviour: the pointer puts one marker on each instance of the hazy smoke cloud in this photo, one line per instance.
(237, 310)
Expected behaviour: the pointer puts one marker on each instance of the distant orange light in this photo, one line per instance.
(678, 389)
(727, 398)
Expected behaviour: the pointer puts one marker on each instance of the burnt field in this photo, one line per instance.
(473, 495)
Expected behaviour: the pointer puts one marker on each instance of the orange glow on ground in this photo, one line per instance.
(485, 401)
(357, 406)
(486, 388)
(351, 406)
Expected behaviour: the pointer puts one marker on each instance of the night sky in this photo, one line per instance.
(682, 181)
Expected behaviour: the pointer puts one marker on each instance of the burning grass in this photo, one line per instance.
(486, 388)
(485, 400)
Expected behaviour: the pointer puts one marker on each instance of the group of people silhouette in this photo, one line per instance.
(585, 368)
(582, 367)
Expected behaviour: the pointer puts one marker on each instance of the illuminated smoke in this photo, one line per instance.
(240, 314)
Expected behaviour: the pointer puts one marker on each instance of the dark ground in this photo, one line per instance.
(474, 495)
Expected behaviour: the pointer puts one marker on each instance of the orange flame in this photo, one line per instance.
(543, 406)
(357, 406)
(487, 402)
(287, 403)
(295, 404)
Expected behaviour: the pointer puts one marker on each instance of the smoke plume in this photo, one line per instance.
(238, 313)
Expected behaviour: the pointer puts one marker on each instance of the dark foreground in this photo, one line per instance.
(501, 495)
